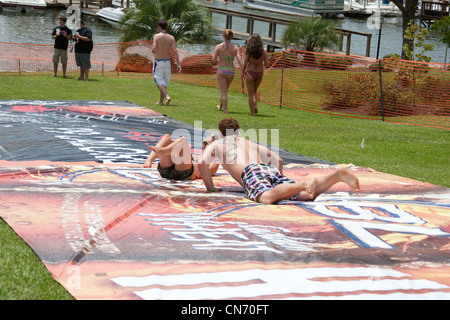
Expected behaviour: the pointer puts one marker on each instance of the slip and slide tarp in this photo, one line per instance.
(73, 187)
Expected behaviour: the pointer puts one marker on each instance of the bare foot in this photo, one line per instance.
(168, 101)
(219, 108)
(53, 75)
(310, 186)
(155, 149)
(349, 179)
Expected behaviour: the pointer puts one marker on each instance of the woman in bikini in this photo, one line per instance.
(224, 55)
(253, 69)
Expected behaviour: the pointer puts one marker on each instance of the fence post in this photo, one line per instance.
(381, 90)
(282, 78)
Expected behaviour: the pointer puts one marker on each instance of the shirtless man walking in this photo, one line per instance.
(263, 182)
(162, 42)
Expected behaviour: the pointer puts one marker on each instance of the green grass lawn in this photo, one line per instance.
(409, 151)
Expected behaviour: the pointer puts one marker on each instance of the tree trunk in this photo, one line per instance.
(408, 10)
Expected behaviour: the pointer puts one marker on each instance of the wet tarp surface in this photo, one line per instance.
(110, 229)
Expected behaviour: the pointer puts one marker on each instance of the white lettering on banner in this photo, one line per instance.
(354, 219)
(358, 231)
(363, 211)
(205, 234)
(344, 283)
(106, 149)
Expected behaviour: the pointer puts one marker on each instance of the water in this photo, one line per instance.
(36, 27)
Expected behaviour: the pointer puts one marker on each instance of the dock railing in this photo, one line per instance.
(271, 40)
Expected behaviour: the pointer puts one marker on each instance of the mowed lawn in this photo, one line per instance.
(415, 152)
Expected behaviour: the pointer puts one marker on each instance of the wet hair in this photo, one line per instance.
(227, 124)
(254, 47)
(162, 23)
(228, 34)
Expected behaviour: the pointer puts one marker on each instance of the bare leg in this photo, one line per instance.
(255, 99)
(252, 87)
(86, 74)
(224, 84)
(55, 69)
(163, 95)
(288, 190)
(310, 189)
(326, 182)
(64, 69)
(81, 77)
(163, 142)
(177, 152)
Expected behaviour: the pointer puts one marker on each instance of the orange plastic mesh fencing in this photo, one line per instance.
(402, 92)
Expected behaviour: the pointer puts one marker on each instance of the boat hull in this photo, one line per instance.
(22, 6)
(300, 7)
(111, 15)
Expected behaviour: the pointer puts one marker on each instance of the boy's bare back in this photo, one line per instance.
(162, 42)
(235, 153)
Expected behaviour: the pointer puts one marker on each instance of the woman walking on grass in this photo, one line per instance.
(253, 69)
(224, 55)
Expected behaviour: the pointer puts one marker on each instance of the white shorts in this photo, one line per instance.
(162, 72)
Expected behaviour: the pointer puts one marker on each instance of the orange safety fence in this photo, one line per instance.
(390, 89)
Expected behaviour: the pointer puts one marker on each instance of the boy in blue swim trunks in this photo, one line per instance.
(162, 44)
(259, 171)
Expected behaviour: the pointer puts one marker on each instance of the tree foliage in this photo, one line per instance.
(408, 9)
(443, 25)
(187, 21)
(416, 36)
(310, 34)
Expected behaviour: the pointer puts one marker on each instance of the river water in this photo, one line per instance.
(36, 27)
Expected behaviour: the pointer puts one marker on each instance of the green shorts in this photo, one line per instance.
(59, 54)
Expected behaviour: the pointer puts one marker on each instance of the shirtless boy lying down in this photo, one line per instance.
(262, 182)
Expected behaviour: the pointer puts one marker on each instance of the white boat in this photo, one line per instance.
(111, 15)
(364, 8)
(328, 8)
(23, 5)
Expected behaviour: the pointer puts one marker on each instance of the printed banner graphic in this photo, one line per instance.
(114, 230)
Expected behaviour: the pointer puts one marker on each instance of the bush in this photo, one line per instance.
(333, 62)
(134, 63)
(360, 94)
(198, 64)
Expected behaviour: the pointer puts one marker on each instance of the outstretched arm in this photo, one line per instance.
(204, 167)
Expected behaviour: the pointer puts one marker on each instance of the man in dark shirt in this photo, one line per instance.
(61, 34)
(83, 48)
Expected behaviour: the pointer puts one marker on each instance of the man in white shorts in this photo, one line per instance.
(162, 42)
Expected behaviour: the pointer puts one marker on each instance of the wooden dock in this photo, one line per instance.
(431, 11)
(271, 39)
